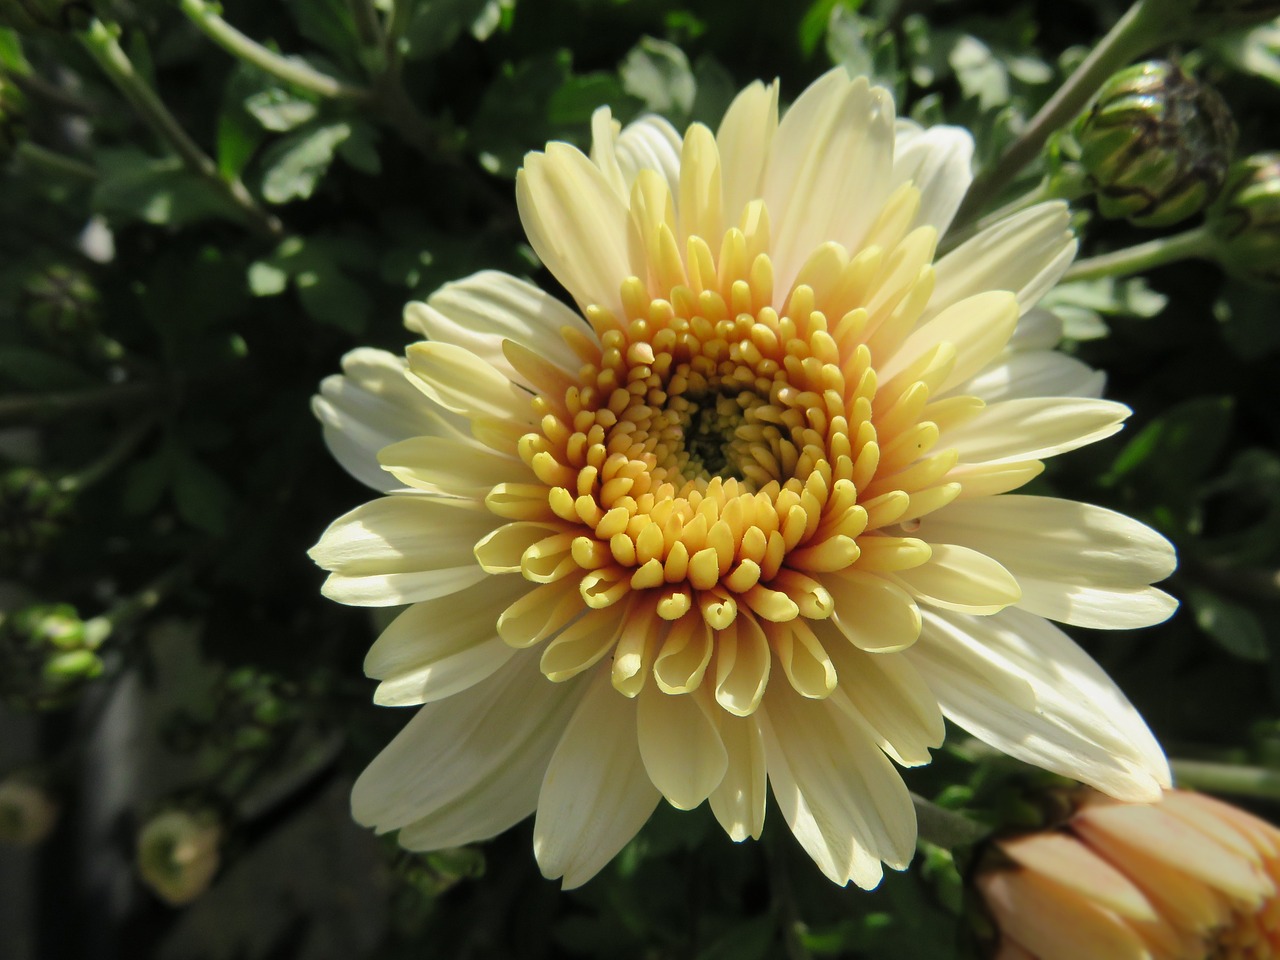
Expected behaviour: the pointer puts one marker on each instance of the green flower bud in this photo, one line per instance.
(61, 304)
(27, 811)
(178, 854)
(45, 14)
(255, 709)
(32, 511)
(1155, 145)
(13, 117)
(47, 655)
(1245, 222)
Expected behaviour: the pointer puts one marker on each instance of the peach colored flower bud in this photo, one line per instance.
(1190, 878)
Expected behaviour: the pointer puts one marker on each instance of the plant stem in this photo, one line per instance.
(54, 162)
(1137, 31)
(291, 71)
(104, 465)
(368, 26)
(945, 828)
(51, 404)
(1241, 781)
(100, 42)
(1144, 256)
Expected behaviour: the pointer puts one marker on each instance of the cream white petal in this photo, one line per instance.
(739, 801)
(439, 647)
(649, 143)
(680, 746)
(892, 697)
(596, 794)
(468, 767)
(370, 405)
(576, 224)
(939, 161)
(460, 467)
(745, 138)
(978, 327)
(1037, 329)
(485, 309)
(459, 381)
(1033, 428)
(1026, 254)
(1076, 563)
(1078, 723)
(401, 549)
(1034, 373)
(841, 796)
(828, 173)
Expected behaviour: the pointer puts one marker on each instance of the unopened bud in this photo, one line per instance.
(1245, 222)
(27, 811)
(1155, 145)
(47, 654)
(178, 854)
(32, 511)
(61, 304)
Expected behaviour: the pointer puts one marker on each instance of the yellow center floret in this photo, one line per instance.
(732, 466)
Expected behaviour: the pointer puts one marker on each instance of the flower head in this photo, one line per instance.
(1188, 878)
(744, 516)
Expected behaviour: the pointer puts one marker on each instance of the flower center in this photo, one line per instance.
(1251, 934)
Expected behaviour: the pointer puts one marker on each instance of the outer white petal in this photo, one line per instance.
(842, 798)
(485, 309)
(1076, 563)
(939, 161)
(1022, 685)
(828, 174)
(439, 647)
(576, 224)
(596, 795)
(739, 801)
(745, 138)
(680, 746)
(1034, 373)
(468, 767)
(1032, 428)
(1026, 253)
(648, 143)
(371, 405)
(402, 549)
(460, 381)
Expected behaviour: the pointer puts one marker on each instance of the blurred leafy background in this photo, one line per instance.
(170, 301)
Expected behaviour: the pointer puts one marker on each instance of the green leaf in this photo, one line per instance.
(437, 24)
(1249, 322)
(328, 24)
(36, 370)
(145, 483)
(360, 150)
(1255, 51)
(134, 186)
(1176, 449)
(202, 497)
(294, 166)
(982, 75)
(279, 110)
(12, 59)
(1231, 625)
(754, 939)
(334, 299)
(239, 134)
(716, 90)
(658, 73)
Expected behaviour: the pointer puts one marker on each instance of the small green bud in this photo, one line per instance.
(33, 511)
(47, 655)
(1245, 222)
(1155, 145)
(61, 304)
(178, 854)
(27, 811)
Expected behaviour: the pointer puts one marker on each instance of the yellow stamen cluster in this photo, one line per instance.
(720, 452)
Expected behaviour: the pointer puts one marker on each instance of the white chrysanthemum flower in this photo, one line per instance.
(745, 516)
